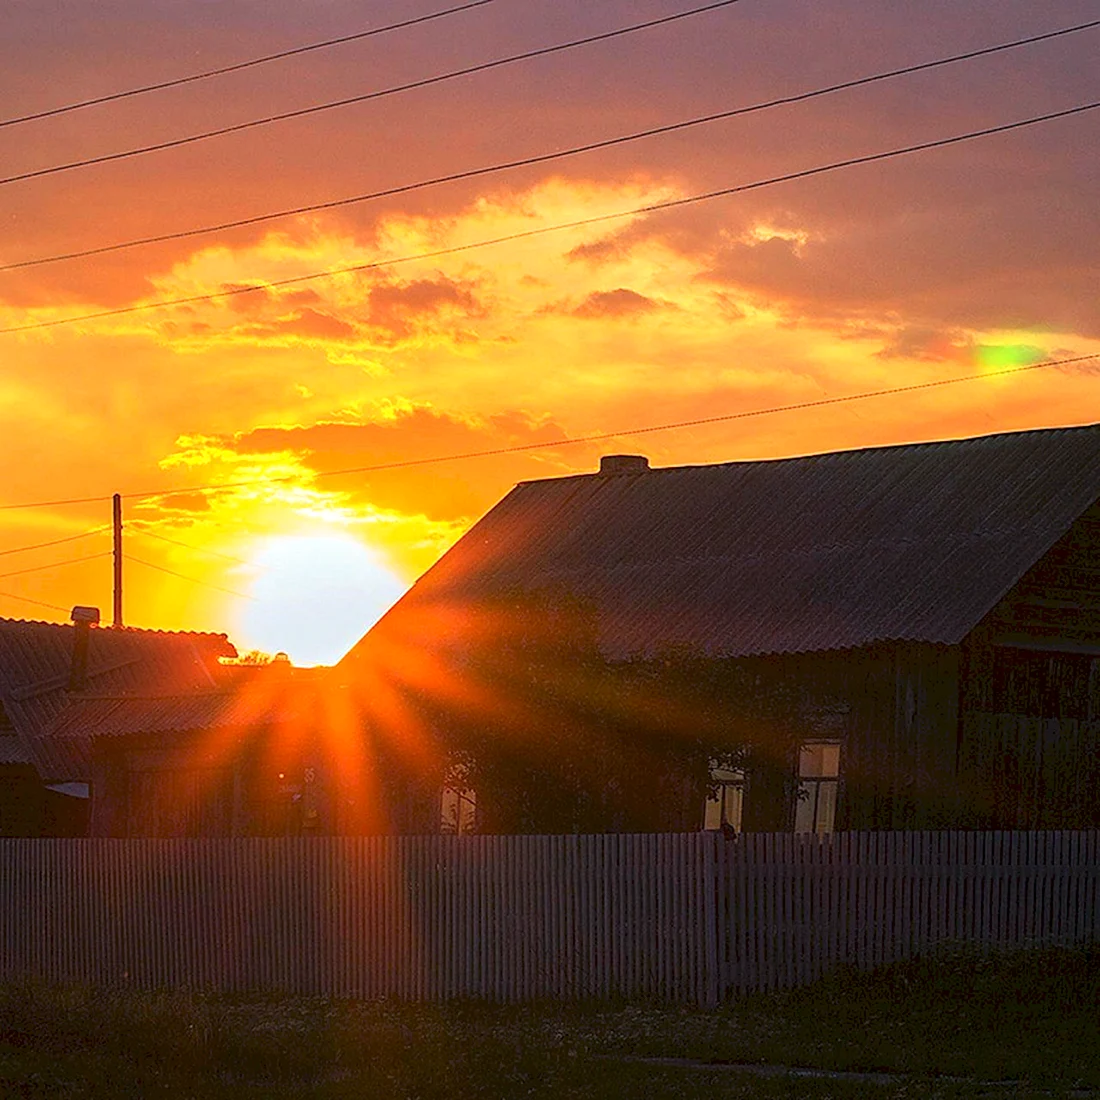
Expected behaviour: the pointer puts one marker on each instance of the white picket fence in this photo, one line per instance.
(682, 917)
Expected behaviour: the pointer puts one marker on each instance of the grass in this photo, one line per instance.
(1031, 1018)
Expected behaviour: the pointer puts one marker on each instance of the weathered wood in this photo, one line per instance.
(681, 917)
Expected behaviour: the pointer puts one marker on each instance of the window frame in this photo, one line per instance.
(729, 795)
(809, 786)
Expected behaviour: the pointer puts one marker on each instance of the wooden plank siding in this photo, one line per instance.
(1029, 727)
(1056, 604)
(894, 708)
(1021, 771)
(690, 917)
(899, 738)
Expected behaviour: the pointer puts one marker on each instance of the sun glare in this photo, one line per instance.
(314, 596)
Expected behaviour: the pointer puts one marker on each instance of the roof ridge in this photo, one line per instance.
(877, 448)
(150, 697)
(159, 631)
(829, 551)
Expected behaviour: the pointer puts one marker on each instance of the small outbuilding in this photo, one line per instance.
(46, 668)
(272, 751)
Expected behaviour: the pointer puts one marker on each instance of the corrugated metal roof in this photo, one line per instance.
(35, 661)
(12, 750)
(123, 715)
(248, 708)
(830, 551)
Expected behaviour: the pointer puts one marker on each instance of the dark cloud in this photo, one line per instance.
(268, 318)
(621, 302)
(927, 344)
(312, 323)
(1029, 195)
(933, 268)
(400, 309)
(614, 246)
(391, 312)
(419, 297)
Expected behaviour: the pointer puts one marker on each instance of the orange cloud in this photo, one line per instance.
(447, 492)
(621, 302)
(768, 299)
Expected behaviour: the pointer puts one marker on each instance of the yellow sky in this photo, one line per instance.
(889, 276)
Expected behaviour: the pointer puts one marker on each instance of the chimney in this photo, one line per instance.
(623, 464)
(82, 617)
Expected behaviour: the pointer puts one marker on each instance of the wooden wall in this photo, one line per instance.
(1029, 733)
(145, 786)
(894, 708)
(1056, 604)
(898, 759)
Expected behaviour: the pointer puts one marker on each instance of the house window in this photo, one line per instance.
(458, 811)
(725, 805)
(818, 781)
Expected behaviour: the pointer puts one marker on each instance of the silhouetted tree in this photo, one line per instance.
(556, 738)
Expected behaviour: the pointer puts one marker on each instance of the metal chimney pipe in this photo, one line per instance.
(83, 618)
(623, 464)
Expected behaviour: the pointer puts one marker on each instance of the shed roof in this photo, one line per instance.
(124, 715)
(35, 662)
(92, 718)
(903, 543)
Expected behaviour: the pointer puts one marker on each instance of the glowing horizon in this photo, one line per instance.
(957, 262)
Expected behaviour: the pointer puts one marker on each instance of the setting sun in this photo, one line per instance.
(313, 596)
(294, 322)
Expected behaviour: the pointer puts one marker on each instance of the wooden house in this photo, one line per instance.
(271, 751)
(927, 616)
(47, 667)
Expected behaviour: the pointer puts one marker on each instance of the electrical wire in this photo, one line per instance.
(526, 234)
(57, 564)
(544, 158)
(187, 545)
(39, 603)
(316, 108)
(193, 580)
(598, 437)
(601, 437)
(191, 78)
(56, 542)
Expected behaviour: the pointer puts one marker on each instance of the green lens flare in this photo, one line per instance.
(998, 356)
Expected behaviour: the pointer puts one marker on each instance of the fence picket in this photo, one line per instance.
(683, 917)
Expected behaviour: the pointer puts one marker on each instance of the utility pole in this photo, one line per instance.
(117, 517)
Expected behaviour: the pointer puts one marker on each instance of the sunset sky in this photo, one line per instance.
(955, 262)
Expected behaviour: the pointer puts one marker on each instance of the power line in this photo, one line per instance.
(598, 437)
(302, 112)
(597, 219)
(106, 554)
(601, 437)
(55, 542)
(39, 603)
(193, 580)
(56, 564)
(543, 158)
(191, 78)
(58, 503)
(189, 546)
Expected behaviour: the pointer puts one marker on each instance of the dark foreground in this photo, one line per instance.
(1020, 1025)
